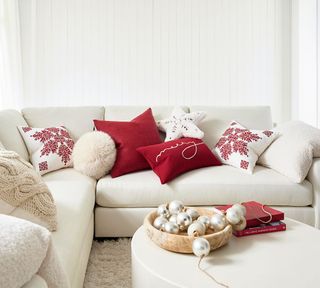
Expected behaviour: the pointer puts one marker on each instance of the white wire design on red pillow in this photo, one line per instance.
(183, 152)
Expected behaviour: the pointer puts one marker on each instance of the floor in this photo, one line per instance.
(109, 264)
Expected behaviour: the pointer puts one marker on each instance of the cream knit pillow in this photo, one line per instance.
(23, 193)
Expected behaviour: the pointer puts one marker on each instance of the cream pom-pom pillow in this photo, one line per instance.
(94, 154)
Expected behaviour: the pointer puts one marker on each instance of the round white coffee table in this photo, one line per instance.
(281, 259)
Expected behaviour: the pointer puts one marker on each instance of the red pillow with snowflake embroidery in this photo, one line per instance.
(241, 147)
(173, 158)
(49, 148)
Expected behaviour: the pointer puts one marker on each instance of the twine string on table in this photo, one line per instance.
(265, 211)
(210, 276)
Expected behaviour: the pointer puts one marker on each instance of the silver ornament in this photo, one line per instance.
(218, 222)
(233, 216)
(196, 229)
(240, 208)
(159, 222)
(204, 220)
(241, 225)
(175, 207)
(183, 220)
(193, 213)
(172, 228)
(201, 247)
(217, 211)
(163, 210)
(173, 218)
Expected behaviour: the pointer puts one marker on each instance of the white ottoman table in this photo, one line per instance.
(281, 259)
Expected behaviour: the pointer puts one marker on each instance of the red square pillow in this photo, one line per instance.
(172, 158)
(128, 136)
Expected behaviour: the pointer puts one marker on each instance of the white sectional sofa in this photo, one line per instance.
(116, 207)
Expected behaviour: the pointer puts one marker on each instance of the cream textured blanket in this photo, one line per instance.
(23, 193)
(26, 249)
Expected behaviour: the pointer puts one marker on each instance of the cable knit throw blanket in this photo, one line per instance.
(23, 193)
(25, 250)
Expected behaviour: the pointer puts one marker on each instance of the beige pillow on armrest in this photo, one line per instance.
(292, 153)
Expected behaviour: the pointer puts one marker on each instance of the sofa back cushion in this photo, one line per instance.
(126, 113)
(9, 133)
(218, 118)
(77, 120)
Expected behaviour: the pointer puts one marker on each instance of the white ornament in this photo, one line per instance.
(159, 222)
(182, 124)
(218, 222)
(172, 228)
(163, 211)
(233, 216)
(196, 229)
(173, 218)
(240, 208)
(217, 211)
(193, 213)
(175, 207)
(204, 220)
(201, 247)
(241, 225)
(183, 220)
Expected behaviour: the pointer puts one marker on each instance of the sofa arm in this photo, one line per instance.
(314, 177)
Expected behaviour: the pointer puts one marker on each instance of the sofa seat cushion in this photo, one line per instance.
(74, 195)
(206, 186)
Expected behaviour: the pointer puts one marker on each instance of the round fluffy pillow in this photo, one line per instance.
(94, 154)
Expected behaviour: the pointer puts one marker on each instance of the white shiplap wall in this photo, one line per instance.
(214, 52)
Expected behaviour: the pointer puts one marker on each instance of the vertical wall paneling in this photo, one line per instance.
(305, 60)
(318, 63)
(214, 52)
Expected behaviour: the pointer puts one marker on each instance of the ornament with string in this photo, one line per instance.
(177, 228)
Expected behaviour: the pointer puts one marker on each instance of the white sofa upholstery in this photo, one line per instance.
(219, 185)
(74, 195)
(116, 207)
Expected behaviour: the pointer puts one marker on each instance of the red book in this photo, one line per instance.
(256, 214)
(263, 228)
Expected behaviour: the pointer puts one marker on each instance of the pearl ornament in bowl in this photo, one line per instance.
(218, 222)
(241, 225)
(196, 229)
(184, 220)
(175, 207)
(171, 228)
(233, 216)
(159, 222)
(173, 218)
(240, 208)
(193, 213)
(204, 220)
(201, 247)
(163, 210)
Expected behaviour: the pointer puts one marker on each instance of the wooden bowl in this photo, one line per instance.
(182, 243)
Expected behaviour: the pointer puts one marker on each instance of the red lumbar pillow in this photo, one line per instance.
(128, 136)
(172, 158)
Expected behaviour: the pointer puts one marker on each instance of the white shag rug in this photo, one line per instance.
(109, 264)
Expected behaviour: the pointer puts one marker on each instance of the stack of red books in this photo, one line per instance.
(260, 219)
